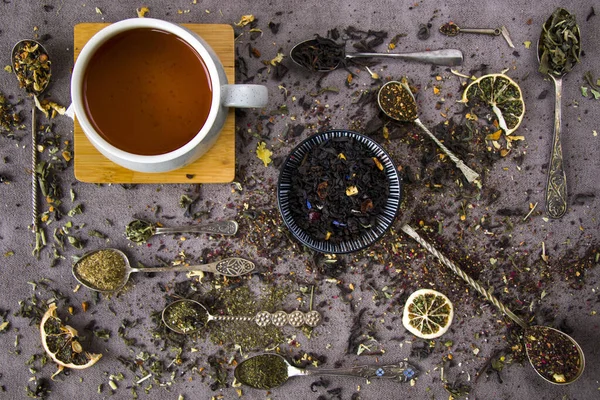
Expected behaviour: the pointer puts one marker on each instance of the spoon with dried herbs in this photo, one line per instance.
(187, 316)
(108, 270)
(139, 231)
(31, 65)
(324, 55)
(268, 371)
(397, 102)
(559, 49)
(554, 355)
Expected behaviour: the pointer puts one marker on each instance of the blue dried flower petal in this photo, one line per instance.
(308, 205)
(409, 373)
(380, 372)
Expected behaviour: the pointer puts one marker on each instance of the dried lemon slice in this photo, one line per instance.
(503, 95)
(427, 314)
(61, 344)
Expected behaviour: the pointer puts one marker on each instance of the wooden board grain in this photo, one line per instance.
(215, 166)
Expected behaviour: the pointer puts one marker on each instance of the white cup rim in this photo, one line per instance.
(135, 23)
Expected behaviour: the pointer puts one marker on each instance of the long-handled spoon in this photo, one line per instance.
(397, 102)
(556, 187)
(324, 55)
(108, 270)
(187, 316)
(536, 332)
(31, 66)
(267, 371)
(140, 231)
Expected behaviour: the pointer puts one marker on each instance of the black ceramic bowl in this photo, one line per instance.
(367, 236)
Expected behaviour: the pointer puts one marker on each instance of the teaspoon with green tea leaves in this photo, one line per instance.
(139, 231)
(187, 316)
(396, 100)
(31, 65)
(108, 270)
(267, 371)
(558, 50)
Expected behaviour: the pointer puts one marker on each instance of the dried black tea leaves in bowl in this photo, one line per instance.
(553, 354)
(320, 54)
(338, 190)
(265, 371)
(559, 45)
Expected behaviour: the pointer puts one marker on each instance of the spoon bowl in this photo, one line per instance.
(268, 371)
(324, 55)
(108, 270)
(397, 101)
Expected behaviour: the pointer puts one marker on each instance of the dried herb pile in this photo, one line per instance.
(559, 45)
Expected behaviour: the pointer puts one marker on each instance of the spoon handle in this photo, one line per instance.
(401, 372)
(467, 172)
(229, 267)
(556, 188)
(474, 284)
(34, 177)
(437, 57)
(482, 31)
(278, 318)
(220, 227)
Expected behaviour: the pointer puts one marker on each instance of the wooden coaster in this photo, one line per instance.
(215, 166)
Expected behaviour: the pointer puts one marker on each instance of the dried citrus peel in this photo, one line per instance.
(427, 314)
(61, 344)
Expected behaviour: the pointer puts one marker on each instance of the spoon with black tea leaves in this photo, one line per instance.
(108, 270)
(31, 65)
(396, 100)
(268, 371)
(139, 231)
(558, 38)
(324, 55)
(187, 316)
(553, 354)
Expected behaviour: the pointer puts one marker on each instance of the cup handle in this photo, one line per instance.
(244, 96)
(70, 111)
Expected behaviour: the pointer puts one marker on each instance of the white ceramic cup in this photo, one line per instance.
(224, 95)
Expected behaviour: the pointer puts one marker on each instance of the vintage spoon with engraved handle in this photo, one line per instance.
(556, 186)
(230, 267)
(399, 95)
(529, 330)
(267, 371)
(21, 51)
(198, 316)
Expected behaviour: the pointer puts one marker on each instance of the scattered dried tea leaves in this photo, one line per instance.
(245, 20)
(142, 11)
(9, 118)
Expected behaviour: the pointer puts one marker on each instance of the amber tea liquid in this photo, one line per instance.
(147, 92)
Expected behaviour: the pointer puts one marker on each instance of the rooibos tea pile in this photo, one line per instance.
(147, 92)
(338, 190)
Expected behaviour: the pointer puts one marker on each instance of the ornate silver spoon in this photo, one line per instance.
(187, 316)
(108, 270)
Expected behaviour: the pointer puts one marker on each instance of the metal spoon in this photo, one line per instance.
(494, 300)
(451, 29)
(401, 372)
(231, 267)
(140, 231)
(437, 57)
(399, 95)
(200, 316)
(556, 187)
(34, 91)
